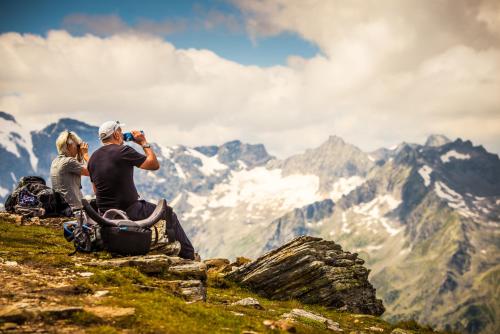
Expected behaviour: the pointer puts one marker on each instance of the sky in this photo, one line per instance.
(285, 73)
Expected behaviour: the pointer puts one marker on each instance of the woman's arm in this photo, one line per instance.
(84, 151)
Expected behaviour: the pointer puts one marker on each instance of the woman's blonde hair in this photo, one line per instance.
(66, 137)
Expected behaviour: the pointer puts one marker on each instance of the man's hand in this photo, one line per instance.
(139, 137)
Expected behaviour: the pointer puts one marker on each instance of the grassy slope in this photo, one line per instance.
(45, 250)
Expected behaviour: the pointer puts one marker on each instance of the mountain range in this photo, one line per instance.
(425, 217)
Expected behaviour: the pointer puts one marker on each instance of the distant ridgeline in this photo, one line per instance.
(425, 218)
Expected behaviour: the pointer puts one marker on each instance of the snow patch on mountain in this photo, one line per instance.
(374, 212)
(345, 227)
(425, 172)
(454, 154)
(166, 151)
(445, 192)
(261, 185)
(345, 185)
(454, 200)
(179, 171)
(155, 177)
(210, 165)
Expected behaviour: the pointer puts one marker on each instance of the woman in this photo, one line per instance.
(68, 167)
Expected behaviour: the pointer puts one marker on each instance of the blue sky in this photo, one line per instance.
(188, 17)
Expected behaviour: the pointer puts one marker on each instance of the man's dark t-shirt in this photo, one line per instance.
(111, 170)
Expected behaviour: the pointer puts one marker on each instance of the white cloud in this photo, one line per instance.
(387, 73)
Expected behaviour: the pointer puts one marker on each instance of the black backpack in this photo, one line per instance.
(32, 197)
(113, 231)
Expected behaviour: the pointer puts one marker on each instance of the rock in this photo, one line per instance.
(240, 261)
(148, 264)
(297, 314)
(249, 302)
(172, 266)
(314, 271)
(58, 312)
(86, 274)
(216, 263)
(10, 263)
(15, 313)
(191, 290)
(193, 270)
(20, 312)
(375, 329)
(401, 331)
(110, 312)
(237, 313)
(8, 326)
(101, 293)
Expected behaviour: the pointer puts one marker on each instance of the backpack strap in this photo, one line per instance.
(95, 216)
(155, 217)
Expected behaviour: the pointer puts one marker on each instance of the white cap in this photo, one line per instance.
(108, 128)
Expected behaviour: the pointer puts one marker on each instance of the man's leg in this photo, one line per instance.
(142, 209)
(175, 232)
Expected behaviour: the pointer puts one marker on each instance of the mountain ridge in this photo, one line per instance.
(420, 214)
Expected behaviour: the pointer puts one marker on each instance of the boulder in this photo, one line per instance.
(249, 302)
(298, 314)
(191, 290)
(194, 270)
(314, 271)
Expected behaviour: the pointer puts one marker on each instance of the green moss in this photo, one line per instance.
(84, 319)
(35, 245)
(103, 330)
(118, 277)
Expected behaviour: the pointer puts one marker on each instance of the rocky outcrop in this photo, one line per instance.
(184, 278)
(314, 271)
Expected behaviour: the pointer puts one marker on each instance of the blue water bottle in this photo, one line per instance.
(127, 136)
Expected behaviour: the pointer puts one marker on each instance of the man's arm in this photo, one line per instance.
(151, 162)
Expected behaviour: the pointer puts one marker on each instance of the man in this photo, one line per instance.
(111, 169)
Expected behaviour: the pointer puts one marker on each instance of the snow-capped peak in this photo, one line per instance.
(14, 138)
